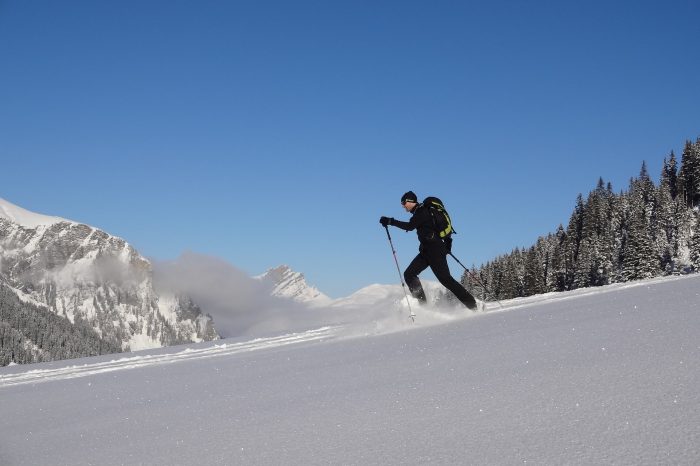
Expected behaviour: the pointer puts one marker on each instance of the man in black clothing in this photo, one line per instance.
(432, 251)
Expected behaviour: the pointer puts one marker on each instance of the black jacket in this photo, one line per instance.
(422, 222)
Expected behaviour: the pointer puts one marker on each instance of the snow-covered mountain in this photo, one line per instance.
(604, 375)
(284, 282)
(87, 275)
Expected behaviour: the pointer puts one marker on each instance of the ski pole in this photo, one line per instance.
(476, 277)
(398, 268)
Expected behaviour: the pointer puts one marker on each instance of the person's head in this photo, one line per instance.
(409, 201)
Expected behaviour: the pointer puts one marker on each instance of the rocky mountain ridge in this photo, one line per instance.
(87, 275)
(284, 282)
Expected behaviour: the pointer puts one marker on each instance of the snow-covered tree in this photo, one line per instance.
(690, 173)
(694, 244)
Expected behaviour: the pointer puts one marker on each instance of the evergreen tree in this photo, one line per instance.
(511, 267)
(667, 206)
(574, 236)
(596, 261)
(640, 258)
(559, 263)
(669, 175)
(695, 246)
(547, 249)
(584, 265)
(534, 267)
(690, 173)
(494, 276)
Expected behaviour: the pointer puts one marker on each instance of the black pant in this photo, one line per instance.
(434, 255)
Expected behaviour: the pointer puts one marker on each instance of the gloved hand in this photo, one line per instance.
(385, 221)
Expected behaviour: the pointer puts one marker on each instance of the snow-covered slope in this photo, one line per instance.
(25, 218)
(436, 295)
(286, 283)
(598, 376)
(81, 272)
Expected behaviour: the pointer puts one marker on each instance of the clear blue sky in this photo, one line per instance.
(279, 132)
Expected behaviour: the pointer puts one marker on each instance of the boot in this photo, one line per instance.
(470, 302)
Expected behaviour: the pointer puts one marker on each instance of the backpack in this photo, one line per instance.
(441, 219)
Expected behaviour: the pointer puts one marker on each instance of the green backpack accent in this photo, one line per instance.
(441, 219)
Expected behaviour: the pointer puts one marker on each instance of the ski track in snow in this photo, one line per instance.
(394, 323)
(189, 354)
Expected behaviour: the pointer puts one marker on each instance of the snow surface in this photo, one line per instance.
(598, 376)
(26, 218)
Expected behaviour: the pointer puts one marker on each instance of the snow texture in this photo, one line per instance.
(596, 376)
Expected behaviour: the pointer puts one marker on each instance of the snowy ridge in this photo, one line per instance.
(286, 283)
(26, 218)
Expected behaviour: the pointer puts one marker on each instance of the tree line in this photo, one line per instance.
(649, 230)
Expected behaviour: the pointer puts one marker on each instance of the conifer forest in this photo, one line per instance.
(646, 231)
(31, 333)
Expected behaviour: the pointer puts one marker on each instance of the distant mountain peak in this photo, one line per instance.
(286, 283)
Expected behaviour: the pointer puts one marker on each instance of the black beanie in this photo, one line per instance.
(409, 197)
